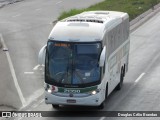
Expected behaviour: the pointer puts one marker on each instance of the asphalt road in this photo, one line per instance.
(26, 32)
(25, 27)
(141, 90)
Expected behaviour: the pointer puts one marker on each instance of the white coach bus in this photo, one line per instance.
(86, 58)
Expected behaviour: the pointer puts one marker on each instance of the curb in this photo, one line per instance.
(54, 22)
(141, 19)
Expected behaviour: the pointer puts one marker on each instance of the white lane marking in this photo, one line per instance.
(140, 77)
(50, 23)
(34, 98)
(28, 72)
(38, 9)
(42, 65)
(17, 15)
(13, 73)
(20, 118)
(37, 104)
(102, 118)
(41, 101)
(36, 67)
(59, 2)
(28, 110)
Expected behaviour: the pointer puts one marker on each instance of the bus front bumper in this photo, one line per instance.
(92, 100)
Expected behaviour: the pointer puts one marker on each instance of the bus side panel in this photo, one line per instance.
(117, 42)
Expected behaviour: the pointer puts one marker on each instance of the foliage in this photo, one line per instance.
(132, 7)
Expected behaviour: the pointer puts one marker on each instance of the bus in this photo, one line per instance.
(86, 57)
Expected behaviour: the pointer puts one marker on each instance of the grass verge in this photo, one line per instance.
(132, 7)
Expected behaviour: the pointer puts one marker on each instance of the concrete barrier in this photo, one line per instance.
(138, 21)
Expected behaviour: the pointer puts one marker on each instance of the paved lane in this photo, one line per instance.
(141, 90)
(25, 27)
(27, 35)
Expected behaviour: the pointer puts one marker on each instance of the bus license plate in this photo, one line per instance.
(71, 101)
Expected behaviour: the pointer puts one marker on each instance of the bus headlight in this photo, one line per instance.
(95, 91)
(49, 90)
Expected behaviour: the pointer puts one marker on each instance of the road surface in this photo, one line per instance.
(25, 27)
(24, 38)
(141, 90)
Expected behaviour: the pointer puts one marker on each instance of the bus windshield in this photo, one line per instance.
(72, 63)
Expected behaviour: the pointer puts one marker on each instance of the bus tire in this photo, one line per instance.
(119, 86)
(124, 70)
(106, 94)
(55, 106)
(101, 106)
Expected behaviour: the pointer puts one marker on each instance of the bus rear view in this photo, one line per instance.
(77, 61)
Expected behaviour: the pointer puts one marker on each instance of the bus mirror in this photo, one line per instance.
(102, 57)
(41, 56)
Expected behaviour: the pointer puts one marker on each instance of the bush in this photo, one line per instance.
(132, 7)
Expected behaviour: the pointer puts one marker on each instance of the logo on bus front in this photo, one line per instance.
(71, 91)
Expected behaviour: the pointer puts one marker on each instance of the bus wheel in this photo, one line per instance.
(124, 70)
(101, 106)
(55, 106)
(106, 95)
(119, 86)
